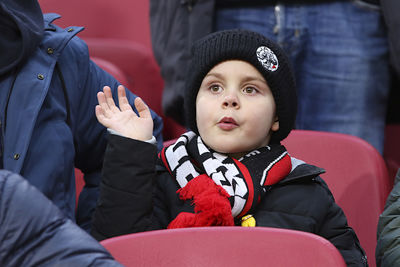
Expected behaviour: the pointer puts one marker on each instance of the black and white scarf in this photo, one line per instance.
(243, 180)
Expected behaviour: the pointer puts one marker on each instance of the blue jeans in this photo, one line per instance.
(339, 53)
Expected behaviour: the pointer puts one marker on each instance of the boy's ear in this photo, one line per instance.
(275, 125)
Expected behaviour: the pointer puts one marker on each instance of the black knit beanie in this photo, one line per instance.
(266, 56)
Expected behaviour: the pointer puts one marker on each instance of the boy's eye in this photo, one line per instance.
(249, 90)
(215, 88)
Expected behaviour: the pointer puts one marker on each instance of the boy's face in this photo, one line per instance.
(235, 109)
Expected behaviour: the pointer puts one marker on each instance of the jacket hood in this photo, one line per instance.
(21, 27)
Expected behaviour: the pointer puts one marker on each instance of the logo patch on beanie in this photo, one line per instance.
(267, 58)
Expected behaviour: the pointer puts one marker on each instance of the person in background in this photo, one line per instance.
(388, 246)
(390, 10)
(48, 87)
(338, 48)
(390, 13)
(230, 168)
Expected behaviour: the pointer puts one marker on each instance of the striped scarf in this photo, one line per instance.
(221, 188)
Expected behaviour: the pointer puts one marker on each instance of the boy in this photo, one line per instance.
(230, 169)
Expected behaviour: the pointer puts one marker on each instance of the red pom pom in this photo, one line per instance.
(211, 205)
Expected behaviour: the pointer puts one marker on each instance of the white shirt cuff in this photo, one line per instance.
(151, 141)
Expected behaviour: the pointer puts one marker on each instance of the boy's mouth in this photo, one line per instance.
(227, 123)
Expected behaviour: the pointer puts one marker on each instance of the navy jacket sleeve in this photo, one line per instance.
(90, 137)
(33, 232)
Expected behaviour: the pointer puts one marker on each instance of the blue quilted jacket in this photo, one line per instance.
(33, 232)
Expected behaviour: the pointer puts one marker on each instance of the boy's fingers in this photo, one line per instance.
(142, 108)
(107, 91)
(109, 99)
(100, 114)
(121, 93)
(122, 100)
(101, 98)
(121, 90)
(98, 111)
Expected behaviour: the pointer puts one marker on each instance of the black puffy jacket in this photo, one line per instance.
(301, 201)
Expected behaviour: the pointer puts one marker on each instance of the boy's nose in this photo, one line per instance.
(230, 101)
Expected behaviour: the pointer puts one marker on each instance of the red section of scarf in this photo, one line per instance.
(211, 205)
(164, 159)
(280, 170)
(250, 187)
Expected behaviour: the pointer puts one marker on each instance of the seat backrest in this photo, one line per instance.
(119, 19)
(224, 246)
(355, 173)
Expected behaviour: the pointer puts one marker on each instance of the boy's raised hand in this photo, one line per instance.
(123, 119)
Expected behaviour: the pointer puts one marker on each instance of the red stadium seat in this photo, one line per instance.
(224, 246)
(118, 19)
(355, 173)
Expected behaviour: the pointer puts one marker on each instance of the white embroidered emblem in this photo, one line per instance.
(267, 58)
